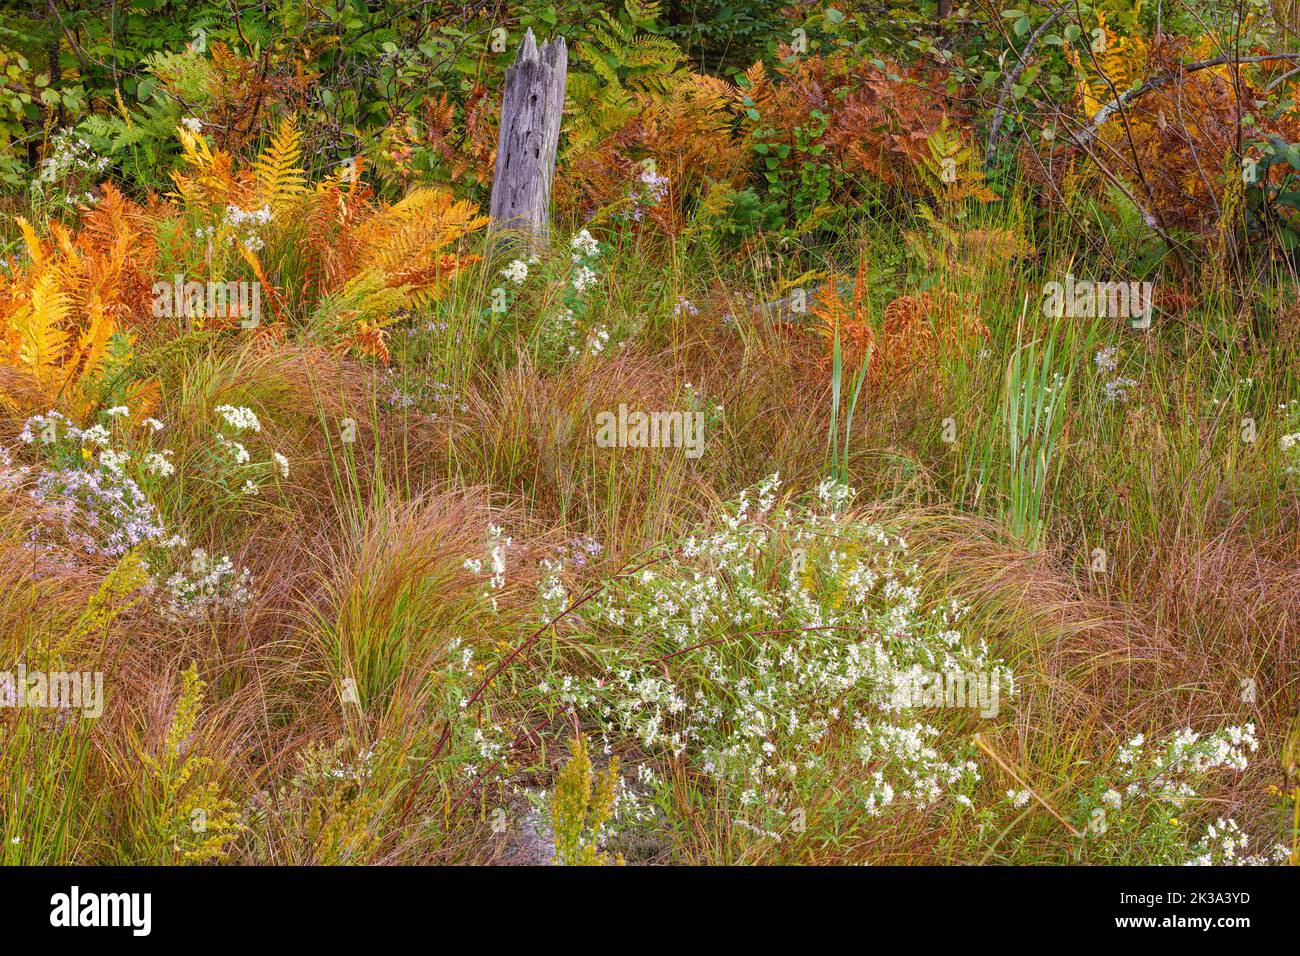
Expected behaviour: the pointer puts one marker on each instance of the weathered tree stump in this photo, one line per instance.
(530, 130)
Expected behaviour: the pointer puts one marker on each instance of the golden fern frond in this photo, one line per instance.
(1111, 66)
(277, 173)
(712, 92)
(35, 248)
(364, 304)
(211, 176)
(950, 168)
(406, 235)
(39, 325)
(104, 224)
(86, 360)
(195, 150)
(757, 89)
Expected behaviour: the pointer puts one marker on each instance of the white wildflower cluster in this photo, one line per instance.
(245, 225)
(585, 252)
(552, 596)
(834, 495)
(597, 340)
(491, 746)
(70, 155)
(565, 333)
(473, 747)
(635, 804)
(1224, 844)
(110, 459)
(100, 509)
(584, 246)
(516, 272)
(238, 453)
(921, 776)
(1166, 773)
(159, 464)
(559, 333)
(498, 541)
(583, 278)
(774, 635)
(96, 505)
(1140, 797)
(53, 427)
(239, 419)
(69, 158)
(352, 771)
(1289, 443)
(210, 585)
(483, 750)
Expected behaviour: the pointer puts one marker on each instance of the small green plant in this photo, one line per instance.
(800, 178)
(840, 463)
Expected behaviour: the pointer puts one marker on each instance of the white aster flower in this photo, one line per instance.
(239, 418)
(516, 272)
(158, 463)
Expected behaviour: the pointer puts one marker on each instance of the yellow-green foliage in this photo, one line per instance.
(581, 806)
(119, 592)
(328, 809)
(193, 822)
(950, 168)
